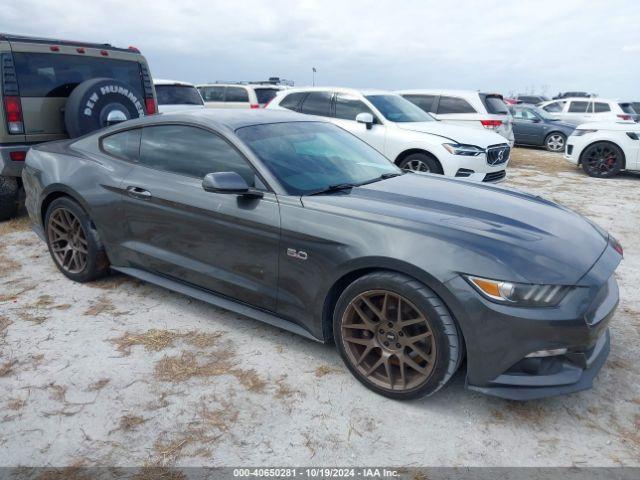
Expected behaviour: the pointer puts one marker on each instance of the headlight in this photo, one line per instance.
(579, 132)
(519, 294)
(460, 149)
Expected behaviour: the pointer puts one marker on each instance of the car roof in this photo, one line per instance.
(250, 85)
(352, 91)
(231, 119)
(585, 99)
(436, 91)
(9, 37)
(164, 81)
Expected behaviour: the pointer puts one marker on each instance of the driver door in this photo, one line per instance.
(222, 242)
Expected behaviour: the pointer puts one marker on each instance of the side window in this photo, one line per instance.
(212, 94)
(124, 145)
(317, 103)
(348, 106)
(578, 107)
(236, 94)
(454, 105)
(554, 107)
(425, 102)
(602, 107)
(191, 151)
(292, 101)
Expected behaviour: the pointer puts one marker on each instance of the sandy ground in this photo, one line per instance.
(119, 372)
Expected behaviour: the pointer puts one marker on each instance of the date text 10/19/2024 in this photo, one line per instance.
(316, 472)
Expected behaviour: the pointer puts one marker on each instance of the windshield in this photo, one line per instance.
(396, 109)
(307, 157)
(178, 95)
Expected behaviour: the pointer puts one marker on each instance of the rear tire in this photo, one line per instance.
(602, 160)
(73, 242)
(9, 196)
(401, 353)
(421, 163)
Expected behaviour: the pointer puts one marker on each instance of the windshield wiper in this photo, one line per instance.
(384, 176)
(334, 188)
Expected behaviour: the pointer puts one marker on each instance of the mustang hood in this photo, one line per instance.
(466, 135)
(538, 240)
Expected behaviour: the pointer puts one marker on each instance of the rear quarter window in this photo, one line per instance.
(212, 94)
(578, 107)
(292, 100)
(495, 105)
(124, 145)
(56, 75)
(449, 105)
(626, 108)
(425, 102)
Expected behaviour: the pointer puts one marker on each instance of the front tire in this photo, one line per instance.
(396, 336)
(9, 195)
(602, 160)
(420, 163)
(555, 142)
(73, 242)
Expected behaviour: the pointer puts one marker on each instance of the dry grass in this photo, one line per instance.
(16, 404)
(186, 366)
(20, 224)
(4, 325)
(250, 380)
(284, 391)
(7, 367)
(222, 418)
(129, 423)
(31, 317)
(7, 267)
(168, 451)
(99, 385)
(323, 370)
(152, 340)
(65, 473)
(103, 305)
(156, 340)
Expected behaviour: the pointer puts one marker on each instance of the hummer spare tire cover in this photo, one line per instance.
(90, 103)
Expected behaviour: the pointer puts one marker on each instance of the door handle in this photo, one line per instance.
(138, 192)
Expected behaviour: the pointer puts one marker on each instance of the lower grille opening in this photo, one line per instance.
(495, 176)
(464, 172)
(569, 149)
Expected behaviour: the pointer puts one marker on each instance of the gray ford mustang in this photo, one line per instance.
(297, 223)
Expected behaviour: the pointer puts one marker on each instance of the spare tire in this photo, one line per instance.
(91, 102)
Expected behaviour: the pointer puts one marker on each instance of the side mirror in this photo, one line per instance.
(224, 182)
(365, 118)
(536, 120)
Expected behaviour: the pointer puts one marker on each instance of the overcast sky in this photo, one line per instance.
(505, 45)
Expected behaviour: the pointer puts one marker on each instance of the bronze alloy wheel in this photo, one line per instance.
(68, 240)
(388, 340)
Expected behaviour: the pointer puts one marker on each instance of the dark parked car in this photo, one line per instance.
(298, 223)
(534, 126)
(531, 99)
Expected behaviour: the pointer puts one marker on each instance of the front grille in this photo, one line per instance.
(495, 176)
(497, 154)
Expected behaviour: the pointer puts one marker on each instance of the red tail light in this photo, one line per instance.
(18, 156)
(54, 48)
(80, 50)
(624, 117)
(134, 49)
(104, 53)
(491, 123)
(13, 109)
(150, 105)
(254, 105)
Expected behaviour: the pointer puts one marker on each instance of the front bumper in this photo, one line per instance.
(476, 169)
(500, 337)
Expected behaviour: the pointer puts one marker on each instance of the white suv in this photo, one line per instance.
(233, 95)
(468, 108)
(402, 132)
(579, 110)
(603, 149)
(174, 95)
